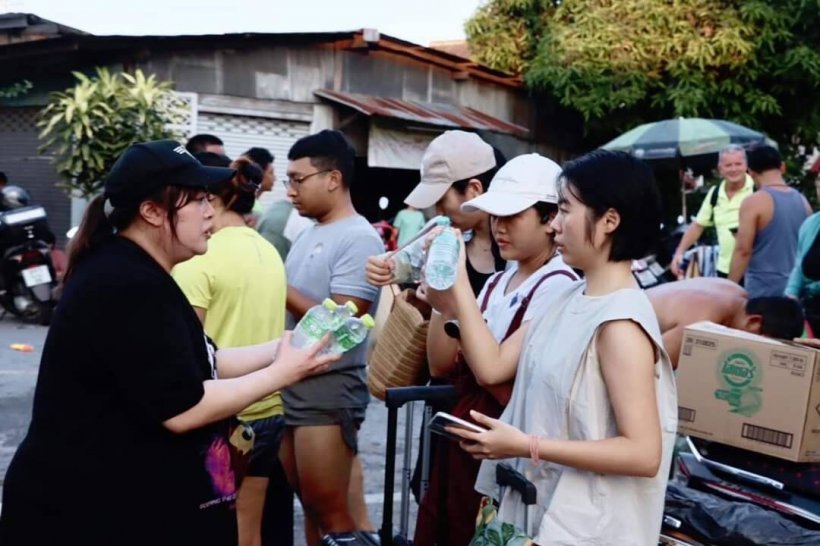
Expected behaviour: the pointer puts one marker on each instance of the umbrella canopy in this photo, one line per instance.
(684, 137)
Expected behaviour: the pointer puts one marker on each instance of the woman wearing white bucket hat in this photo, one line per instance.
(522, 202)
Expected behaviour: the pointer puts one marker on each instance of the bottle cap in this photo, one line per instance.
(368, 321)
(352, 306)
(329, 304)
(443, 220)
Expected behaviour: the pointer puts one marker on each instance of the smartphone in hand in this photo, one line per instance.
(443, 419)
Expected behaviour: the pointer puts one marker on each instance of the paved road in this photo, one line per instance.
(18, 376)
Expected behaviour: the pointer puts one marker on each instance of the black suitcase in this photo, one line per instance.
(395, 399)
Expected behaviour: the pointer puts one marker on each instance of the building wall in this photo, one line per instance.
(293, 73)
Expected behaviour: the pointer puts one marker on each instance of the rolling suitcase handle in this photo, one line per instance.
(394, 399)
(507, 476)
(399, 396)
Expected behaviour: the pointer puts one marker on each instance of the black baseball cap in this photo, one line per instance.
(148, 166)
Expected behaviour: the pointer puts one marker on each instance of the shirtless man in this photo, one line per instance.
(682, 303)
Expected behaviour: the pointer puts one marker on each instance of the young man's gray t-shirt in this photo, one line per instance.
(330, 259)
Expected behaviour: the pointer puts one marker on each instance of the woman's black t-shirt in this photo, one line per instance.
(477, 278)
(125, 353)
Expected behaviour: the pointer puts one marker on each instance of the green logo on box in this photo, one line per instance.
(739, 375)
(739, 370)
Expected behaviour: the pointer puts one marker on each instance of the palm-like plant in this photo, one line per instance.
(89, 125)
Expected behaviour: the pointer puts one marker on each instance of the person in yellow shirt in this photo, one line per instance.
(724, 215)
(238, 290)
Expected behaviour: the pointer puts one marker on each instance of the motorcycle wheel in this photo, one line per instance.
(35, 311)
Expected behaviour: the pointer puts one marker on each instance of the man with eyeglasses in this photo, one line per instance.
(323, 414)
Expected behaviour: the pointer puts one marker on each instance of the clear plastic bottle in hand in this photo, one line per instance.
(342, 313)
(442, 260)
(318, 321)
(409, 261)
(350, 334)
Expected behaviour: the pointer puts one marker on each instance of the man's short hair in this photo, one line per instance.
(261, 156)
(732, 149)
(327, 150)
(764, 158)
(781, 317)
(3, 178)
(199, 143)
(213, 159)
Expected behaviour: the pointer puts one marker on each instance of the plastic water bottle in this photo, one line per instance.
(410, 260)
(314, 324)
(442, 260)
(350, 334)
(342, 313)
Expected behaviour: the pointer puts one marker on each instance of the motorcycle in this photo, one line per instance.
(713, 502)
(27, 276)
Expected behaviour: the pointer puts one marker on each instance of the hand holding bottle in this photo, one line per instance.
(299, 362)
(379, 269)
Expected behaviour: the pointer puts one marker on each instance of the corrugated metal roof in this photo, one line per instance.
(444, 115)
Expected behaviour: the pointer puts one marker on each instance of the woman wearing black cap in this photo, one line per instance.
(129, 442)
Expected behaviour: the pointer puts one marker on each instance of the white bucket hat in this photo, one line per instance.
(450, 157)
(518, 185)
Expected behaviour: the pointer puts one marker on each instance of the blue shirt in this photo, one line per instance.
(800, 286)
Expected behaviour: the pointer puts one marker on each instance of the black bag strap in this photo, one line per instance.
(713, 199)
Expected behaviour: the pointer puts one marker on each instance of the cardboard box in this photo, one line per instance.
(750, 392)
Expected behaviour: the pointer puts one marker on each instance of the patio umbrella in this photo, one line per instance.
(683, 137)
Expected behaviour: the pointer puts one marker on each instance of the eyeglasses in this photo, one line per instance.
(297, 181)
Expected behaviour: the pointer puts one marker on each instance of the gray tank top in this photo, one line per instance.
(775, 246)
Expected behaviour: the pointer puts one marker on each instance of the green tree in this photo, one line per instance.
(622, 62)
(89, 125)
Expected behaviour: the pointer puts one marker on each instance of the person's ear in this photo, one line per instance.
(334, 181)
(474, 188)
(753, 323)
(610, 221)
(152, 213)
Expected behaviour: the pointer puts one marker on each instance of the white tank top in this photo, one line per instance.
(560, 392)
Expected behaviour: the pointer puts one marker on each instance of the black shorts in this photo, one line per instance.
(265, 453)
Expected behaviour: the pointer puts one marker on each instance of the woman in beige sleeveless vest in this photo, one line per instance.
(592, 419)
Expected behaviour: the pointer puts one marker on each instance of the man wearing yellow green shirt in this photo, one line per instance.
(736, 186)
(238, 290)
